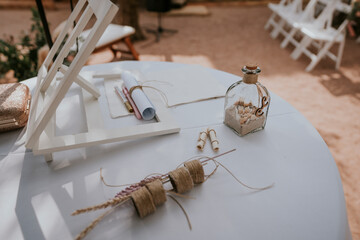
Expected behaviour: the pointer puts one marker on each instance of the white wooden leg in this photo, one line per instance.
(290, 35)
(305, 42)
(277, 29)
(315, 60)
(82, 82)
(340, 54)
(48, 157)
(271, 19)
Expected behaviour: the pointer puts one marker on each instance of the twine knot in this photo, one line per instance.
(135, 87)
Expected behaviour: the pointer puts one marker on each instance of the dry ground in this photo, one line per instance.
(232, 36)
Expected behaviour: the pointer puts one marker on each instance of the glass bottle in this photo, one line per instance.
(247, 103)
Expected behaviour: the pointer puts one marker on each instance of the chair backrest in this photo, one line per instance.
(103, 12)
(325, 19)
(314, 9)
(320, 12)
(293, 6)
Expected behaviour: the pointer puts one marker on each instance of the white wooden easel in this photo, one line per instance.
(49, 94)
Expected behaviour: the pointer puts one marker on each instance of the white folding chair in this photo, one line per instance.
(285, 10)
(309, 15)
(113, 34)
(322, 33)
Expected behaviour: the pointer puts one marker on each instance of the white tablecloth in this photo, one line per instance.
(307, 201)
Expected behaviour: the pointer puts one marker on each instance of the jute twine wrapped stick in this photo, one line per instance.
(150, 192)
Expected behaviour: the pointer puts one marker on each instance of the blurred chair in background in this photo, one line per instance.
(323, 34)
(160, 7)
(312, 31)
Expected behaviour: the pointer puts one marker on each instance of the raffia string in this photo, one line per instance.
(134, 87)
(245, 185)
(112, 202)
(172, 192)
(95, 222)
(142, 85)
(110, 185)
(182, 208)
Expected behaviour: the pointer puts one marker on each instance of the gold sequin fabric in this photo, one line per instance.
(14, 105)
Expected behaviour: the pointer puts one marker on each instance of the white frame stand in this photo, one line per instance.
(49, 93)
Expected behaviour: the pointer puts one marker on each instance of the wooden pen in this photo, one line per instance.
(124, 99)
(136, 110)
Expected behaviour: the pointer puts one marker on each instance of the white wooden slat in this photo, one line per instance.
(34, 106)
(63, 33)
(103, 136)
(83, 21)
(82, 82)
(100, 8)
(92, 110)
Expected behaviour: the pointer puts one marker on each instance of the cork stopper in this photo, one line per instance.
(251, 67)
(251, 72)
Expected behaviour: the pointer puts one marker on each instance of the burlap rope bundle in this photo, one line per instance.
(181, 180)
(146, 198)
(143, 202)
(196, 171)
(157, 191)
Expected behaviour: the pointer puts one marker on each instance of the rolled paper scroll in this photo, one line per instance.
(146, 108)
(213, 139)
(202, 140)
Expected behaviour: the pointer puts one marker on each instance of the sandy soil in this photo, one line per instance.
(233, 36)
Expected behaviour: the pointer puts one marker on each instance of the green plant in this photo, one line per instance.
(22, 56)
(354, 17)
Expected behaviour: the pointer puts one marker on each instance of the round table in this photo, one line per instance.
(306, 201)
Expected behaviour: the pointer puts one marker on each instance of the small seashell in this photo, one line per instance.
(247, 104)
(242, 120)
(253, 117)
(247, 110)
(241, 102)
